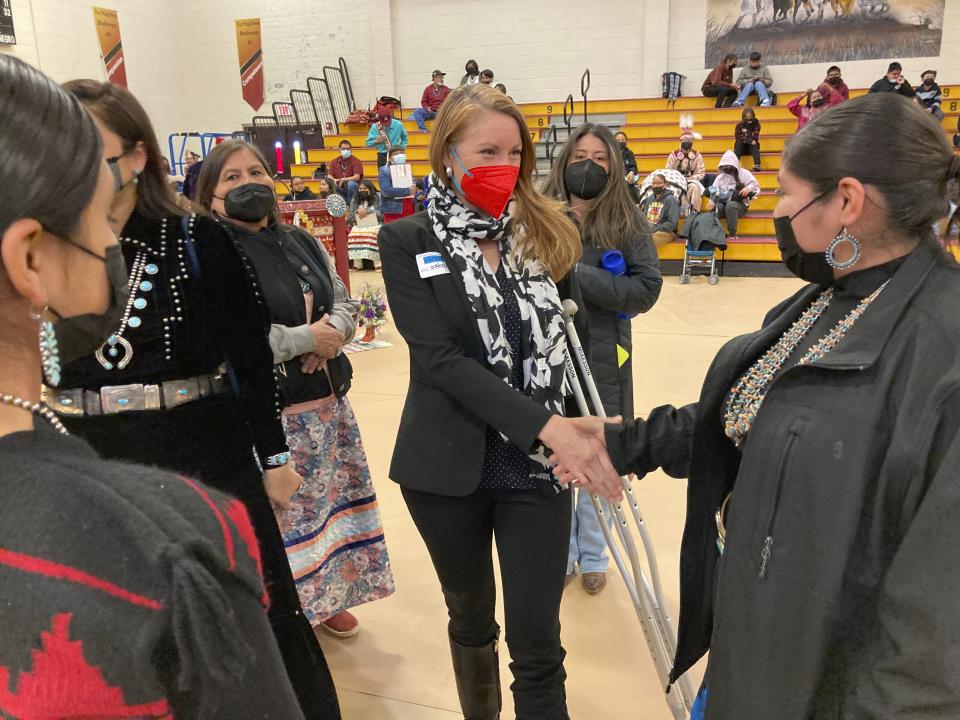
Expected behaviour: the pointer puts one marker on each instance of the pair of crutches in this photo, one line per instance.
(647, 595)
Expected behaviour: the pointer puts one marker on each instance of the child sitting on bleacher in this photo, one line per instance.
(732, 191)
(747, 137)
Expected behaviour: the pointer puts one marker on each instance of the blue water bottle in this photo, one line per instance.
(612, 261)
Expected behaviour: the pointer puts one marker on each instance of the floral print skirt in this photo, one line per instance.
(333, 534)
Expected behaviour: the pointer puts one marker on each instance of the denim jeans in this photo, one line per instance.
(421, 115)
(350, 190)
(759, 87)
(587, 544)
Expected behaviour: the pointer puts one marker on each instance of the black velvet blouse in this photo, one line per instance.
(182, 326)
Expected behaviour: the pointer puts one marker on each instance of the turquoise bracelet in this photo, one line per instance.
(278, 460)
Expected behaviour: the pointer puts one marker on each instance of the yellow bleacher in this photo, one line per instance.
(654, 132)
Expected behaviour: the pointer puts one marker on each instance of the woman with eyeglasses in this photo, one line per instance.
(185, 380)
(125, 591)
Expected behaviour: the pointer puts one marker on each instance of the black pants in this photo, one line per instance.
(732, 211)
(533, 535)
(725, 95)
(741, 148)
(208, 441)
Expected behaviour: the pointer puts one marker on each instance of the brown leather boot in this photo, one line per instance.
(477, 670)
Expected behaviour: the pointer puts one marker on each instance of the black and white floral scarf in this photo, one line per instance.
(459, 228)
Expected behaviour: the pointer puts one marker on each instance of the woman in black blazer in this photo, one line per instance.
(471, 285)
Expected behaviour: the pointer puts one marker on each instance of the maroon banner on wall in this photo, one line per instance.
(111, 46)
(250, 57)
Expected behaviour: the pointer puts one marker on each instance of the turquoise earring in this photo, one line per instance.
(49, 351)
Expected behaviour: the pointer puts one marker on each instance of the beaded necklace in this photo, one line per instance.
(37, 409)
(746, 396)
(109, 354)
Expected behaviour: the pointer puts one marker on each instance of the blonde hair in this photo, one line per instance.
(548, 235)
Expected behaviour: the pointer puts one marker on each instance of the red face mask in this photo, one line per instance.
(488, 187)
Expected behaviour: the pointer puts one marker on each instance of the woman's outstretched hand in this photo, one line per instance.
(581, 455)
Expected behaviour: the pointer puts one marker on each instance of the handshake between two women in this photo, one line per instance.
(579, 452)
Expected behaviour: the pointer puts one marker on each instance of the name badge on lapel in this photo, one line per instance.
(431, 264)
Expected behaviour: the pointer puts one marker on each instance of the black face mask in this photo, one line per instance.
(249, 203)
(658, 191)
(817, 103)
(81, 335)
(834, 80)
(686, 146)
(585, 179)
(928, 81)
(812, 267)
(622, 144)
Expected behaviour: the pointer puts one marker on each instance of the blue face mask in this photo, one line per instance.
(400, 159)
(346, 154)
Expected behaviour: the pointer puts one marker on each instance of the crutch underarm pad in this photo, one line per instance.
(663, 440)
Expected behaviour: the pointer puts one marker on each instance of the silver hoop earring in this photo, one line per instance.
(857, 251)
(49, 350)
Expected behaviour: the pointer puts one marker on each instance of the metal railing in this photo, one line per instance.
(551, 144)
(568, 109)
(584, 89)
(323, 106)
(337, 93)
(346, 83)
(207, 142)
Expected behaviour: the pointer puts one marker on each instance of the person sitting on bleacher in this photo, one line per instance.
(929, 94)
(833, 89)
(720, 84)
(328, 187)
(747, 137)
(347, 170)
(299, 191)
(689, 163)
(472, 76)
(395, 202)
(816, 104)
(754, 77)
(661, 209)
(431, 100)
(732, 191)
(893, 82)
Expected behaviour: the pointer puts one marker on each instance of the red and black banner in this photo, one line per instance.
(111, 47)
(250, 56)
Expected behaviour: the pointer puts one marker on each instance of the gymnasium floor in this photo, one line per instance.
(398, 668)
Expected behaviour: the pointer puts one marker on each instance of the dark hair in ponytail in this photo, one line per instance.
(50, 151)
(122, 113)
(911, 173)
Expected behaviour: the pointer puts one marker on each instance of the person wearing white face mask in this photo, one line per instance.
(819, 555)
(347, 170)
(141, 581)
(475, 285)
(395, 202)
